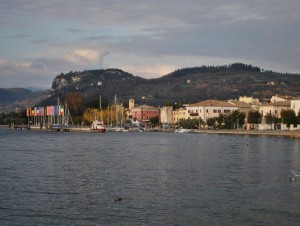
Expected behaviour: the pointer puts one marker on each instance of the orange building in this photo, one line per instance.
(143, 113)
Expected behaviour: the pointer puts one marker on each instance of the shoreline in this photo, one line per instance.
(282, 133)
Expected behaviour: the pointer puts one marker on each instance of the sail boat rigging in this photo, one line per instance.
(97, 125)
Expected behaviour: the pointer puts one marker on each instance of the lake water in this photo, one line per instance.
(163, 178)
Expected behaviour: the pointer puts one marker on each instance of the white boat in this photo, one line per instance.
(141, 130)
(97, 126)
(182, 130)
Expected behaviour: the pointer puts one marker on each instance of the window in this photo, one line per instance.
(206, 110)
(189, 111)
(226, 111)
(215, 111)
(219, 111)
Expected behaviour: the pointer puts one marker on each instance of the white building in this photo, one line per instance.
(209, 109)
(295, 105)
(166, 115)
(278, 98)
(274, 108)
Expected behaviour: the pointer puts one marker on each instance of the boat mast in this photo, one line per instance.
(100, 107)
(108, 115)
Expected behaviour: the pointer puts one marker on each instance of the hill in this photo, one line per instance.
(19, 98)
(13, 94)
(185, 85)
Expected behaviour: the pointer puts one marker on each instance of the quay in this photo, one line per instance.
(283, 133)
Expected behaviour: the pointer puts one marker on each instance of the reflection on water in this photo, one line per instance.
(163, 179)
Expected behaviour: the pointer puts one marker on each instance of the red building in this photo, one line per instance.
(143, 113)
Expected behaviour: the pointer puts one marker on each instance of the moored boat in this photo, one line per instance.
(182, 130)
(97, 126)
(141, 130)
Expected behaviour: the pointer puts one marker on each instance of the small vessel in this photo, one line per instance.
(120, 129)
(97, 126)
(141, 130)
(182, 130)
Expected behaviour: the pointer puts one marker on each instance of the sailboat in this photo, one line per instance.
(97, 125)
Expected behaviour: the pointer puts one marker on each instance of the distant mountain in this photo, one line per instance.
(13, 94)
(19, 98)
(186, 85)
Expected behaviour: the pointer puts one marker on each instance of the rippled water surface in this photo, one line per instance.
(163, 179)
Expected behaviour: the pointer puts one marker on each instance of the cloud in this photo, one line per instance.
(21, 75)
(40, 39)
(81, 55)
(74, 30)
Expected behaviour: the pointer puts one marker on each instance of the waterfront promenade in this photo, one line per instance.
(285, 133)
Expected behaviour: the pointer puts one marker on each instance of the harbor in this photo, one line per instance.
(86, 129)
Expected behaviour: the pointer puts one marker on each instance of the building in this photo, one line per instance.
(243, 106)
(295, 105)
(274, 108)
(209, 109)
(179, 114)
(279, 98)
(144, 113)
(131, 103)
(249, 100)
(166, 115)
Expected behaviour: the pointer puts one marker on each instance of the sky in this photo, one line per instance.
(40, 39)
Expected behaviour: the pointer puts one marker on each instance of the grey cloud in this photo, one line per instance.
(74, 30)
(20, 35)
(255, 31)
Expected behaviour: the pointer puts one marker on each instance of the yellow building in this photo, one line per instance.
(179, 114)
(249, 100)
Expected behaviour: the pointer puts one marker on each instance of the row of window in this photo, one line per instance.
(214, 111)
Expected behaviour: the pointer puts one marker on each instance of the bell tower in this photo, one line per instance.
(131, 103)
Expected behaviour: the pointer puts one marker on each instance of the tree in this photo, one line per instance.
(90, 114)
(75, 102)
(254, 117)
(154, 120)
(270, 119)
(212, 121)
(190, 123)
(288, 117)
(237, 118)
(298, 118)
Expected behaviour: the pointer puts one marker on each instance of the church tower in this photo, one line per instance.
(131, 103)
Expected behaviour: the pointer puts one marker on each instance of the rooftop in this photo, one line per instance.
(212, 103)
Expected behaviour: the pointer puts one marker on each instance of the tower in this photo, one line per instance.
(131, 103)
